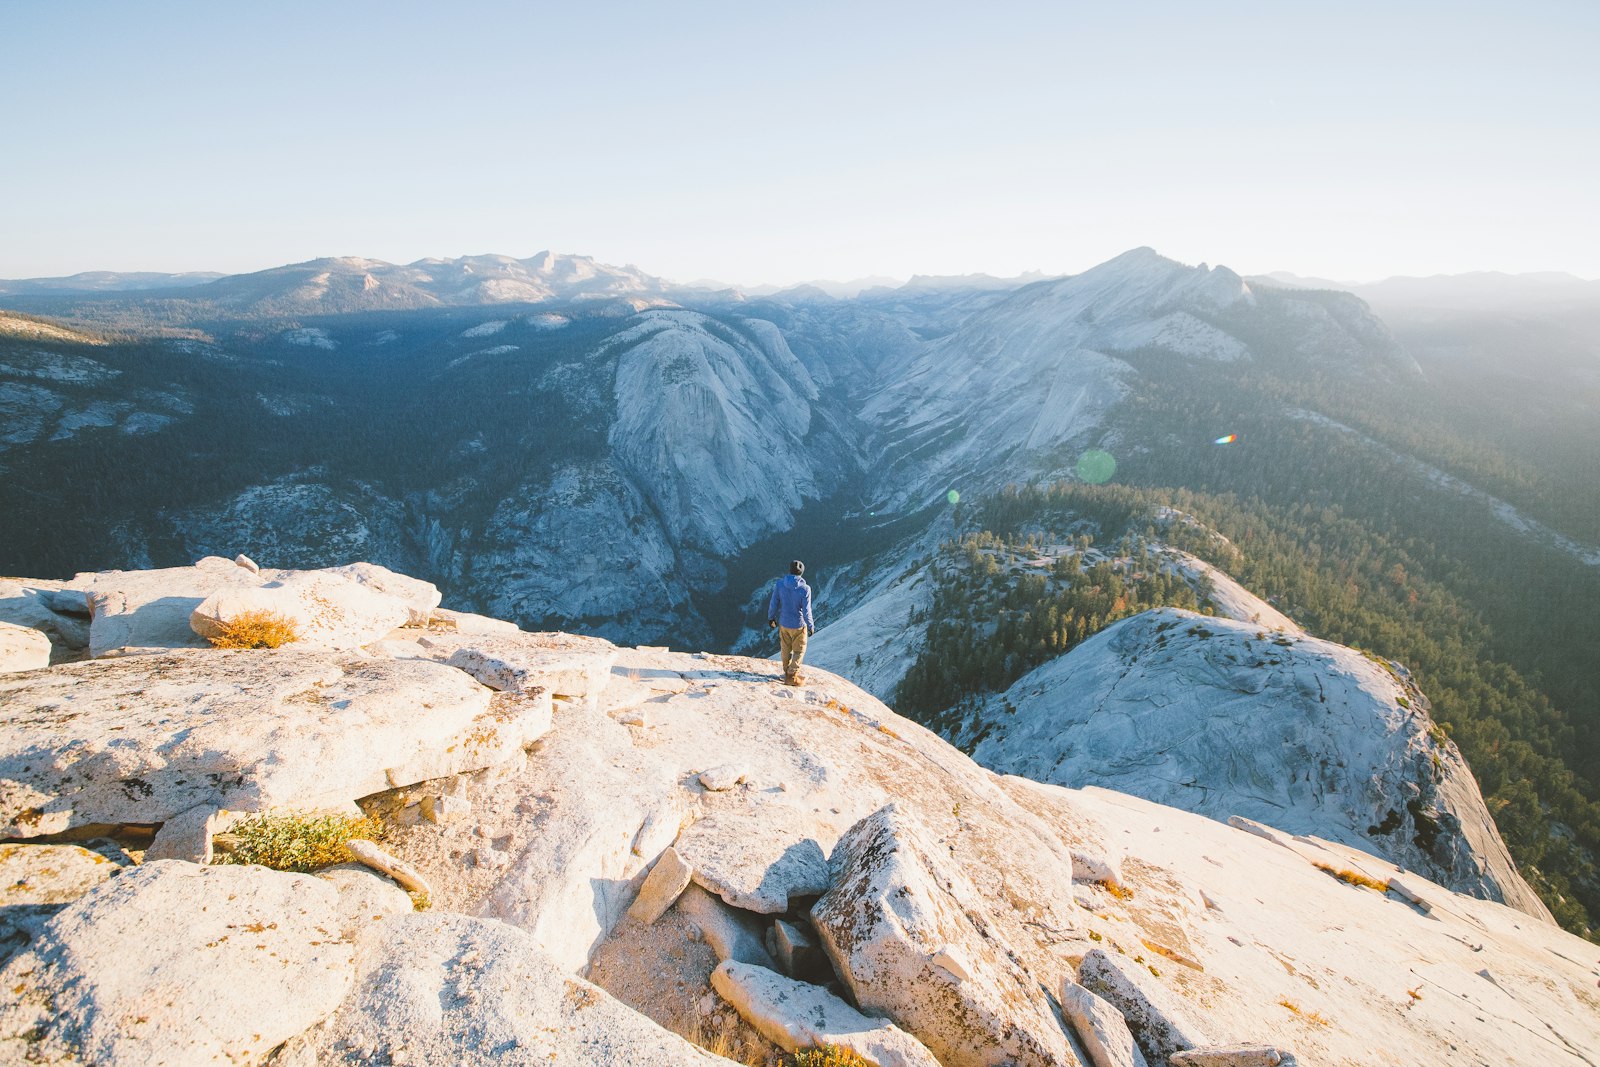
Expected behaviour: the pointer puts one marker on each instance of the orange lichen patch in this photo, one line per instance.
(1121, 892)
(1355, 878)
(255, 629)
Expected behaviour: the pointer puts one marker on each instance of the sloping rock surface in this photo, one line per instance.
(449, 989)
(143, 738)
(1225, 718)
(177, 963)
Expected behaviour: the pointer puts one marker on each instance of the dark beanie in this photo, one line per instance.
(796, 567)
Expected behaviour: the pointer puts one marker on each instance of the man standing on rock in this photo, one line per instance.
(789, 612)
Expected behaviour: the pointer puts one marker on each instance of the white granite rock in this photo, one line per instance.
(667, 879)
(36, 881)
(242, 560)
(145, 611)
(730, 933)
(898, 903)
(1160, 1022)
(141, 739)
(365, 896)
(327, 610)
(795, 1015)
(723, 777)
(564, 664)
(371, 855)
(757, 859)
(177, 963)
(419, 597)
(1228, 718)
(1100, 1028)
(49, 874)
(22, 648)
(463, 622)
(42, 605)
(186, 836)
(1233, 1056)
(449, 989)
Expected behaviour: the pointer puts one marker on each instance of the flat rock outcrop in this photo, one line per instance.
(49, 607)
(565, 664)
(177, 963)
(143, 738)
(327, 609)
(144, 611)
(420, 598)
(756, 858)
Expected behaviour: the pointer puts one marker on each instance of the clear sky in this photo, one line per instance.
(762, 142)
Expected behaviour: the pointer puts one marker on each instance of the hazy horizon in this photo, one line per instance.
(781, 146)
(835, 279)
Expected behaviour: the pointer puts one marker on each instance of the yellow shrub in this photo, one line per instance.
(827, 1056)
(299, 841)
(256, 629)
(1355, 878)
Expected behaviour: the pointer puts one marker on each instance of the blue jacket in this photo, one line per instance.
(791, 603)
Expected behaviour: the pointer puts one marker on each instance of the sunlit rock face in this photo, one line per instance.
(794, 843)
(1019, 387)
(1229, 718)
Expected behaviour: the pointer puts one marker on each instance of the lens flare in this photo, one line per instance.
(953, 496)
(1228, 440)
(1096, 466)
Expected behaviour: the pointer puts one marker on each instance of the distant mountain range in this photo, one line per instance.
(1475, 291)
(105, 281)
(340, 285)
(573, 445)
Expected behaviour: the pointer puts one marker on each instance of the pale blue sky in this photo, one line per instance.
(756, 142)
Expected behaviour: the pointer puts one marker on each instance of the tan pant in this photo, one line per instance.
(793, 644)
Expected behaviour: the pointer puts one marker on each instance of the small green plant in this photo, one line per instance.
(299, 841)
(255, 629)
(827, 1056)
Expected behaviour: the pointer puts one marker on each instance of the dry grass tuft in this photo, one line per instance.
(299, 841)
(827, 1056)
(1355, 878)
(1308, 1016)
(256, 629)
(725, 1042)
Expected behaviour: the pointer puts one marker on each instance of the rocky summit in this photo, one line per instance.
(593, 854)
